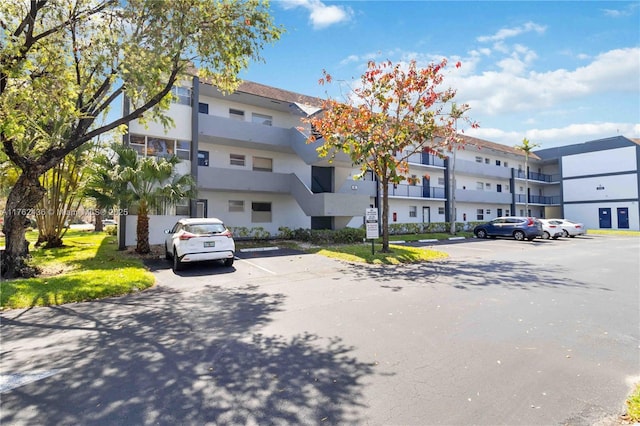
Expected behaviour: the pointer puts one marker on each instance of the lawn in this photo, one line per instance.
(363, 253)
(88, 267)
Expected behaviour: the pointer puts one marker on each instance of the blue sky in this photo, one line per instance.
(556, 72)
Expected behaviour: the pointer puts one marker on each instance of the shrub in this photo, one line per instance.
(111, 230)
(259, 233)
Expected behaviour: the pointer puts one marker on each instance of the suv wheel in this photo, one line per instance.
(228, 262)
(518, 235)
(481, 233)
(177, 265)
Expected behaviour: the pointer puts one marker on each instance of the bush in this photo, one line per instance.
(111, 230)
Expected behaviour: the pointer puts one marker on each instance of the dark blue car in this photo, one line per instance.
(520, 228)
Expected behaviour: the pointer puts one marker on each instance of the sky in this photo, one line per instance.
(555, 72)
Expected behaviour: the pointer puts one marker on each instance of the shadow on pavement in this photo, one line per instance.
(169, 358)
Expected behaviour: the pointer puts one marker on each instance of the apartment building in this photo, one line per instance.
(254, 168)
(600, 181)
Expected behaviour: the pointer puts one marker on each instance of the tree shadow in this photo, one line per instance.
(464, 275)
(174, 358)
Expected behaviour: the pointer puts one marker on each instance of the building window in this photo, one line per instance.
(157, 147)
(236, 159)
(236, 206)
(478, 159)
(236, 114)
(183, 150)
(499, 188)
(181, 95)
(203, 108)
(487, 161)
(497, 162)
(413, 211)
(522, 189)
(440, 210)
(487, 185)
(261, 164)
(488, 211)
(441, 181)
(182, 207)
(479, 214)
(480, 186)
(203, 158)
(266, 120)
(139, 143)
(506, 164)
(260, 212)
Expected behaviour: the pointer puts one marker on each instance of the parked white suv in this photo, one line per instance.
(199, 239)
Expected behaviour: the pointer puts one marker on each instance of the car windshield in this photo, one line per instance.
(205, 228)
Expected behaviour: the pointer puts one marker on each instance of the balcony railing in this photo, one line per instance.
(541, 177)
(538, 199)
(426, 159)
(416, 191)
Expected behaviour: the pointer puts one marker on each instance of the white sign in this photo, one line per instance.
(371, 223)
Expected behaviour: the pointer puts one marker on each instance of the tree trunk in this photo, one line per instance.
(99, 226)
(142, 229)
(24, 195)
(385, 216)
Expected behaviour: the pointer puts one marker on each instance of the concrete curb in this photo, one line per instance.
(253, 249)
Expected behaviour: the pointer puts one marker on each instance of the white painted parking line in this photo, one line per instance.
(257, 266)
(9, 382)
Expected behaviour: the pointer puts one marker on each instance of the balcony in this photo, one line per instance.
(539, 177)
(416, 191)
(481, 169)
(349, 202)
(426, 159)
(539, 199)
(227, 131)
(472, 196)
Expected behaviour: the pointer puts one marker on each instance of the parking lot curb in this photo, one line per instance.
(253, 249)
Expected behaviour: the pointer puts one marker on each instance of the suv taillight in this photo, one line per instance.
(227, 234)
(530, 221)
(186, 236)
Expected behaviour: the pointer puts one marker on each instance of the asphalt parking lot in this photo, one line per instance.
(501, 332)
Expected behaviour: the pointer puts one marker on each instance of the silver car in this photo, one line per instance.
(550, 229)
(199, 239)
(569, 228)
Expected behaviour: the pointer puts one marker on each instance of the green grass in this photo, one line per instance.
(362, 253)
(88, 267)
(613, 232)
(633, 405)
(430, 236)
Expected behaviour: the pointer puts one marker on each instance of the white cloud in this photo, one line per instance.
(619, 13)
(512, 89)
(321, 15)
(506, 33)
(552, 137)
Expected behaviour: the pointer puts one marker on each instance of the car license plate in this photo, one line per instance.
(209, 243)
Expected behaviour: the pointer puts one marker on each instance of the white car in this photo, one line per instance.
(550, 229)
(199, 239)
(569, 228)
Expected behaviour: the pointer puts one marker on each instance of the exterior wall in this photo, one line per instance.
(220, 108)
(285, 211)
(588, 214)
(181, 115)
(157, 226)
(601, 188)
(401, 207)
(600, 162)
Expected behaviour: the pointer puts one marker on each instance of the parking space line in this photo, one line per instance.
(258, 266)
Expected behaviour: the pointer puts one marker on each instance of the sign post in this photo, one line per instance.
(371, 224)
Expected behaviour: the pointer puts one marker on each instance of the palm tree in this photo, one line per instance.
(145, 183)
(101, 186)
(526, 146)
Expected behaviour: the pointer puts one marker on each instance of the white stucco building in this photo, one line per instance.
(253, 169)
